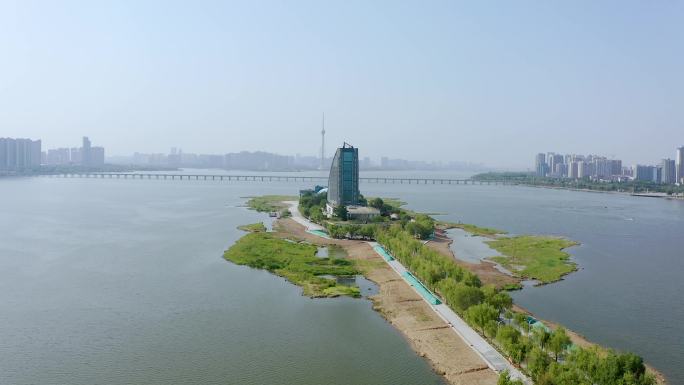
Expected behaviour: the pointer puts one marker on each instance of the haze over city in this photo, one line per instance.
(489, 83)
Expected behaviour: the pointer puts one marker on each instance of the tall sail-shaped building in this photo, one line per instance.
(343, 182)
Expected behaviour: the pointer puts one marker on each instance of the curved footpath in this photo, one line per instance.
(495, 360)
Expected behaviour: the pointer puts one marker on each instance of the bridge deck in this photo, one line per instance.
(270, 178)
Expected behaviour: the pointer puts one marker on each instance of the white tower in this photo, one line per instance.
(323, 144)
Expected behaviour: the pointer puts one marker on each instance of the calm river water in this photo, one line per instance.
(122, 281)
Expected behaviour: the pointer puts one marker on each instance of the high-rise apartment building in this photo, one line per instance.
(97, 156)
(680, 165)
(573, 169)
(540, 165)
(19, 154)
(85, 152)
(645, 173)
(583, 169)
(669, 173)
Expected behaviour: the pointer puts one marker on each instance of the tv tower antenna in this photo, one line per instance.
(323, 144)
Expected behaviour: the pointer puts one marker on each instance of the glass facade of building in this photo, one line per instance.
(343, 182)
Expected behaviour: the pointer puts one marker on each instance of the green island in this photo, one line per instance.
(534, 257)
(269, 203)
(472, 229)
(296, 262)
(253, 228)
(546, 356)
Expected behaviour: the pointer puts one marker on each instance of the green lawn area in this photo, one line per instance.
(296, 262)
(540, 258)
(253, 228)
(475, 230)
(266, 203)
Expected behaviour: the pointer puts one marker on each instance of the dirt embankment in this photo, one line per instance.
(426, 332)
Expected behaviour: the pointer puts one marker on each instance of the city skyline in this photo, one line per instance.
(598, 167)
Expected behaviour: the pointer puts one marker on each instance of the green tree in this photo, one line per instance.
(558, 342)
(480, 315)
(540, 336)
(341, 212)
(537, 362)
(377, 203)
(500, 300)
(505, 379)
(460, 296)
(521, 320)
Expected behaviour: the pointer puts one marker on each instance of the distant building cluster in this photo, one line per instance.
(17, 155)
(266, 161)
(86, 155)
(600, 168)
(245, 160)
(403, 164)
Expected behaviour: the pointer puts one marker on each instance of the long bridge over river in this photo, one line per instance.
(269, 178)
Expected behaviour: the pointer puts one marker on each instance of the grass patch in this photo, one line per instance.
(253, 228)
(533, 257)
(475, 230)
(296, 262)
(268, 203)
(367, 265)
(394, 202)
(512, 287)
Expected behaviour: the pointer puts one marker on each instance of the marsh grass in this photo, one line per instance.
(296, 262)
(535, 257)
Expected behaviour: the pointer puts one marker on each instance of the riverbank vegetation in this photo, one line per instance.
(548, 357)
(269, 203)
(530, 179)
(253, 228)
(296, 262)
(534, 257)
(472, 229)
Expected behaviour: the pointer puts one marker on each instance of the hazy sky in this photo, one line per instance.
(482, 81)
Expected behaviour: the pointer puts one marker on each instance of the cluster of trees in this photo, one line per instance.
(311, 205)
(545, 356)
(385, 208)
(438, 272)
(352, 231)
(421, 226)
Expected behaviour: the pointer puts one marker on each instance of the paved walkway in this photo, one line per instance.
(293, 206)
(489, 355)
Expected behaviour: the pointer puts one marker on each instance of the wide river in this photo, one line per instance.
(122, 281)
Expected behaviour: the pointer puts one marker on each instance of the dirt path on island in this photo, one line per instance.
(425, 331)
